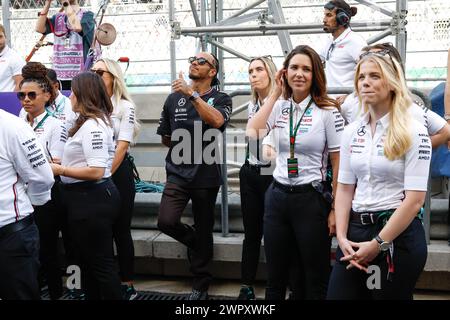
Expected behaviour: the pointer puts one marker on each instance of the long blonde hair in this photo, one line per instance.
(271, 70)
(120, 91)
(398, 139)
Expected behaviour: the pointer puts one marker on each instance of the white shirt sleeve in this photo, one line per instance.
(435, 122)
(417, 160)
(126, 129)
(334, 126)
(95, 146)
(58, 139)
(31, 164)
(346, 175)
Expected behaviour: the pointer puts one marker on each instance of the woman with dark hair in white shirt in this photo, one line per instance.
(91, 197)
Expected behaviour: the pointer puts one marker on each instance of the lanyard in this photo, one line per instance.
(292, 130)
(40, 124)
(54, 113)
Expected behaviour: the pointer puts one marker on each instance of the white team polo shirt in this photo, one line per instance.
(10, 65)
(431, 120)
(319, 133)
(92, 145)
(51, 134)
(123, 118)
(380, 183)
(343, 55)
(25, 175)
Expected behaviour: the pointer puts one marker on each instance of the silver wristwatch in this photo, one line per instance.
(382, 245)
(194, 96)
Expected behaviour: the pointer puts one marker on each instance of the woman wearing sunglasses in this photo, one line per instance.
(383, 175)
(252, 178)
(90, 195)
(298, 213)
(35, 93)
(126, 128)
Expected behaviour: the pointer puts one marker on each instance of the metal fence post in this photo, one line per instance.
(173, 57)
(400, 38)
(6, 22)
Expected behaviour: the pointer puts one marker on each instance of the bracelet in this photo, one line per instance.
(42, 13)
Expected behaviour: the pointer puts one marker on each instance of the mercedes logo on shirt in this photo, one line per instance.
(361, 131)
(181, 102)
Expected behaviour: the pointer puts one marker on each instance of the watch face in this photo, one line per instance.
(384, 246)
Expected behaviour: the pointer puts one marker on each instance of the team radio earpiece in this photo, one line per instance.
(342, 17)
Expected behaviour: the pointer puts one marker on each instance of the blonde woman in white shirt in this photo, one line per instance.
(383, 174)
(126, 128)
(90, 195)
(299, 215)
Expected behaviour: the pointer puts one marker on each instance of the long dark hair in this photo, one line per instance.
(36, 72)
(319, 84)
(92, 99)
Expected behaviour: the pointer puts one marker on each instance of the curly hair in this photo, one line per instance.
(37, 72)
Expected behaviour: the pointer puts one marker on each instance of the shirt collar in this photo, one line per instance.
(384, 121)
(343, 35)
(37, 119)
(302, 105)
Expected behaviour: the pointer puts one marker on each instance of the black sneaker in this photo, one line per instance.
(128, 292)
(198, 295)
(246, 293)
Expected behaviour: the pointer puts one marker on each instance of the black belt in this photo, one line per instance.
(16, 226)
(257, 166)
(301, 188)
(368, 218)
(85, 184)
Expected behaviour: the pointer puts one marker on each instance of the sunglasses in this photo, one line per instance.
(381, 53)
(31, 95)
(201, 61)
(100, 72)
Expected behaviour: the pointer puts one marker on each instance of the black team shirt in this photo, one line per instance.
(179, 113)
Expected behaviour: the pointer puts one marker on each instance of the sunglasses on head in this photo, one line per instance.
(201, 61)
(100, 72)
(31, 95)
(381, 53)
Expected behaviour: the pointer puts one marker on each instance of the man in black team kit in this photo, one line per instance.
(190, 112)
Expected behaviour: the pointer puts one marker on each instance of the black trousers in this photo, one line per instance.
(92, 211)
(253, 187)
(199, 238)
(296, 223)
(410, 254)
(19, 265)
(49, 220)
(124, 180)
